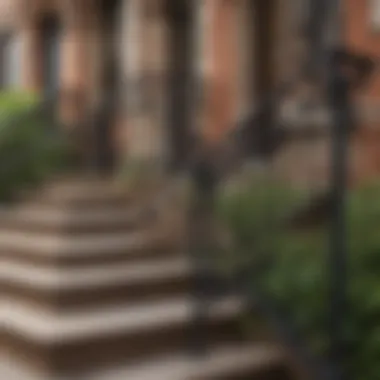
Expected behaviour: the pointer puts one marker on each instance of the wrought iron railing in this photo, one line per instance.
(261, 138)
(269, 224)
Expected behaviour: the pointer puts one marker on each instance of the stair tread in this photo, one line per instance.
(84, 186)
(58, 245)
(219, 361)
(61, 278)
(60, 215)
(55, 328)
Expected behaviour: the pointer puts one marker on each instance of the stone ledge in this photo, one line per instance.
(318, 118)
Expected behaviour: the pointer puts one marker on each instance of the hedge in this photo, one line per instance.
(30, 147)
(296, 264)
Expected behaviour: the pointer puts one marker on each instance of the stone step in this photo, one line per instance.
(231, 362)
(70, 289)
(55, 219)
(95, 187)
(73, 343)
(82, 250)
(91, 193)
(78, 193)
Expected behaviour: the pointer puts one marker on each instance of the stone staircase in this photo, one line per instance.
(94, 290)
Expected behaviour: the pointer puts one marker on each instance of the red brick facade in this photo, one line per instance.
(361, 36)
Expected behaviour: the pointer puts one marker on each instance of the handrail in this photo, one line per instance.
(206, 176)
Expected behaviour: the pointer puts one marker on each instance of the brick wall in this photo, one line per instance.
(301, 163)
(361, 36)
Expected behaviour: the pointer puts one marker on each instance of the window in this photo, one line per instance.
(13, 62)
(3, 43)
(374, 14)
(10, 62)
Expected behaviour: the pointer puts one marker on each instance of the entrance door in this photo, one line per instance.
(106, 120)
(110, 12)
(50, 42)
(180, 21)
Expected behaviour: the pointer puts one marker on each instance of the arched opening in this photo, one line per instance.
(180, 20)
(49, 28)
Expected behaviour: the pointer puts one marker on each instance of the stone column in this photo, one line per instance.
(131, 66)
(154, 56)
(31, 65)
(95, 52)
(144, 74)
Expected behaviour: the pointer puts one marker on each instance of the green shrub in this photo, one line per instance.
(298, 276)
(12, 103)
(253, 214)
(30, 148)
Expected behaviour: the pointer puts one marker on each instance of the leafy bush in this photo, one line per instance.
(30, 148)
(11, 103)
(298, 276)
(253, 214)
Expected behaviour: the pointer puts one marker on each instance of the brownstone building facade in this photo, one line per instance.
(175, 65)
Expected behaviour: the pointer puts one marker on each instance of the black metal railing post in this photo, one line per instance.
(326, 61)
(204, 184)
(337, 264)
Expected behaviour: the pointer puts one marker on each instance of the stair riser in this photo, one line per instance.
(80, 200)
(108, 352)
(274, 372)
(97, 297)
(77, 261)
(74, 229)
(110, 221)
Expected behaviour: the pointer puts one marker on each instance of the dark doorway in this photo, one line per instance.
(259, 135)
(263, 27)
(106, 114)
(50, 30)
(110, 10)
(180, 19)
